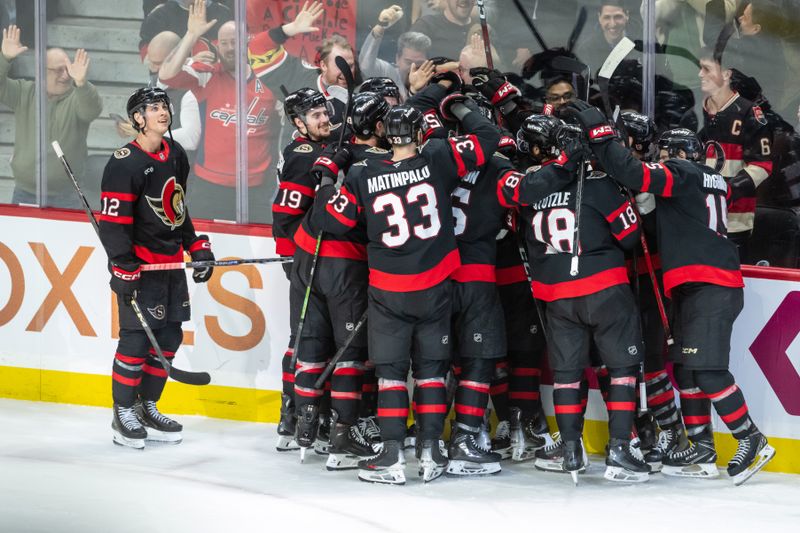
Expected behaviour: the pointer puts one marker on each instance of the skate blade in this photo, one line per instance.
(120, 440)
(303, 454)
(505, 453)
(655, 467)
(700, 470)
(385, 477)
(467, 468)
(623, 475)
(523, 454)
(154, 435)
(430, 471)
(321, 447)
(574, 475)
(547, 465)
(764, 456)
(344, 461)
(286, 444)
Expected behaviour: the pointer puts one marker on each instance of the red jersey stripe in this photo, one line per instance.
(580, 287)
(415, 282)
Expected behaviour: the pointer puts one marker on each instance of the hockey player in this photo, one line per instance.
(144, 220)
(702, 276)
(412, 252)
(383, 86)
(596, 303)
(310, 115)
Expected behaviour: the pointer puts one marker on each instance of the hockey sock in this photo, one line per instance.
(346, 390)
(523, 384)
(431, 396)
(392, 399)
(661, 399)
(567, 403)
(369, 391)
(306, 374)
(695, 405)
(288, 374)
(728, 400)
(621, 402)
(126, 372)
(603, 381)
(154, 377)
(498, 389)
(472, 394)
(584, 389)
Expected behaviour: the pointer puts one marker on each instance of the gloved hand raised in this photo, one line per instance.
(493, 85)
(592, 120)
(330, 162)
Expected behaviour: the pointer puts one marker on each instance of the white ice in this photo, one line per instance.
(59, 472)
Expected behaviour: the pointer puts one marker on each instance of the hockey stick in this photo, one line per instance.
(577, 30)
(530, 25)
(487, 48)
(183, 376)
(223, 263)
(340, 352)
(344, 68)
(614, 58)
(576, 236)
(574, 66)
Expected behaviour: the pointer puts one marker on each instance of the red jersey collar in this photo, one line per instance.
(162, 155)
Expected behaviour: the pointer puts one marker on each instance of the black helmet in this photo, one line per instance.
(368, 109)
(402, 123)
(681, 139)
(538, 130)
(383, 86)
(640, 128)
(300, 102)
(146, 95)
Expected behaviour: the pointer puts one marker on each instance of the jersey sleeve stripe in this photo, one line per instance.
(461, 168)
(284, 247)
(307, 191)
(330, 247)
(617, 212)
(624, 233)
(645, 178)
(479, 156)
(116, 219)
(121, 196)
(668, 181)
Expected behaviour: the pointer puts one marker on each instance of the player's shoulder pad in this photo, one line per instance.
(122, 153)
(376, 150)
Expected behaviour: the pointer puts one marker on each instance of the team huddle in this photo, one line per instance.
(472, 235)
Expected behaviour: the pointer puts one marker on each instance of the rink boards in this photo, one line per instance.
(58, 331)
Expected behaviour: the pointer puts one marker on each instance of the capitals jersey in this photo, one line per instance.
(406, 207)
(216, 90)
(691, 216)
(608, 223)
(144, 218)
(295, 192)
(741, 128)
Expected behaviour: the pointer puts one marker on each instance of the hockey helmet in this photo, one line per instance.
(640, 128)
(301, 101)
(368, 109)
(681, 139)
(381, 85)
(538, 130)
(402, 123)
(146, 95)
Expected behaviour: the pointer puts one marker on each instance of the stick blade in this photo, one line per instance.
(615, 57)
(342, 65)
(189, 378)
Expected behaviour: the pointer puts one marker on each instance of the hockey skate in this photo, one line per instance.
(287, 426)
(307, 428)
(574, 458)
(348, 447)
(669, 441)
(467, 457)
(751, 455)
(625, 463)
(369, 429)
(501, 443)
(128, 429)
(697, 460)
(387, 467)
(431, 461)
(646, 431)
(527, 436)
(159, 427)
(411, 437)
(551, 457)
(323, 443)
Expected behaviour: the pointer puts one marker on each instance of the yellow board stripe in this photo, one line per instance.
(252, 405)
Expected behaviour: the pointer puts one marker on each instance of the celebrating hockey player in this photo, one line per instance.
(144, 220)
(702, 276)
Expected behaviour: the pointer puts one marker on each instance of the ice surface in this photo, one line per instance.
(59, 472)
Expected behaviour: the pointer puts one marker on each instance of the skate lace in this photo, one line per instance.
(742, 452)
(557, 442)
(128, 418)
(503, 430)
(664, 439)
(152, 410)
(357, 436)
(369, 428)
(477, 444)
(636, 450)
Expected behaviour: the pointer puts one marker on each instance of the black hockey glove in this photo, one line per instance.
(573, 155)
(446, 107)
(456, 82)
(125, 281)
(327, 166)
(592, 120)
(742, 186)
(493, 85)
(507, 145)
(200, 250)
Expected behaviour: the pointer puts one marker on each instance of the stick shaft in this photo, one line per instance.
(222, 263)
(487, 47)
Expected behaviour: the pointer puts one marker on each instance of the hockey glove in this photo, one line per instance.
(446, 108)
(200, 250)
(645, 203)
(125, 281)
(742, 186)
(507, 145)
(456, 83)
(573, 155)
(330, 162)
(592, 120)
(493, 85)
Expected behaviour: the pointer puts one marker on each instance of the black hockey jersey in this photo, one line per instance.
(608, 224)
(741, 128)
(406, 207)
(691, 215)
(509, 269)
(295, 192)
(144, 218)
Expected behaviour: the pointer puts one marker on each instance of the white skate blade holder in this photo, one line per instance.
(764, 456)
(166, 437)
(699, 470)
(286, 443)
(120, 440)
(389, 476)
(623, 475)
(467, 468)
(429, 470)
(342, 461)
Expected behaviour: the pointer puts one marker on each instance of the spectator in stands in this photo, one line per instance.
(214, 187)
(473, 56)
(447, 30)
(366, 13)
(72, 104)
(412, 49)
(173, 15)
(559, 91)
(612, 25)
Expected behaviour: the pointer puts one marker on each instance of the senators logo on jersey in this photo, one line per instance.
(170, 207)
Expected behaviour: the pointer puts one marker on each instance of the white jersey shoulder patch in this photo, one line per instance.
(122, 153)
(304, 149)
